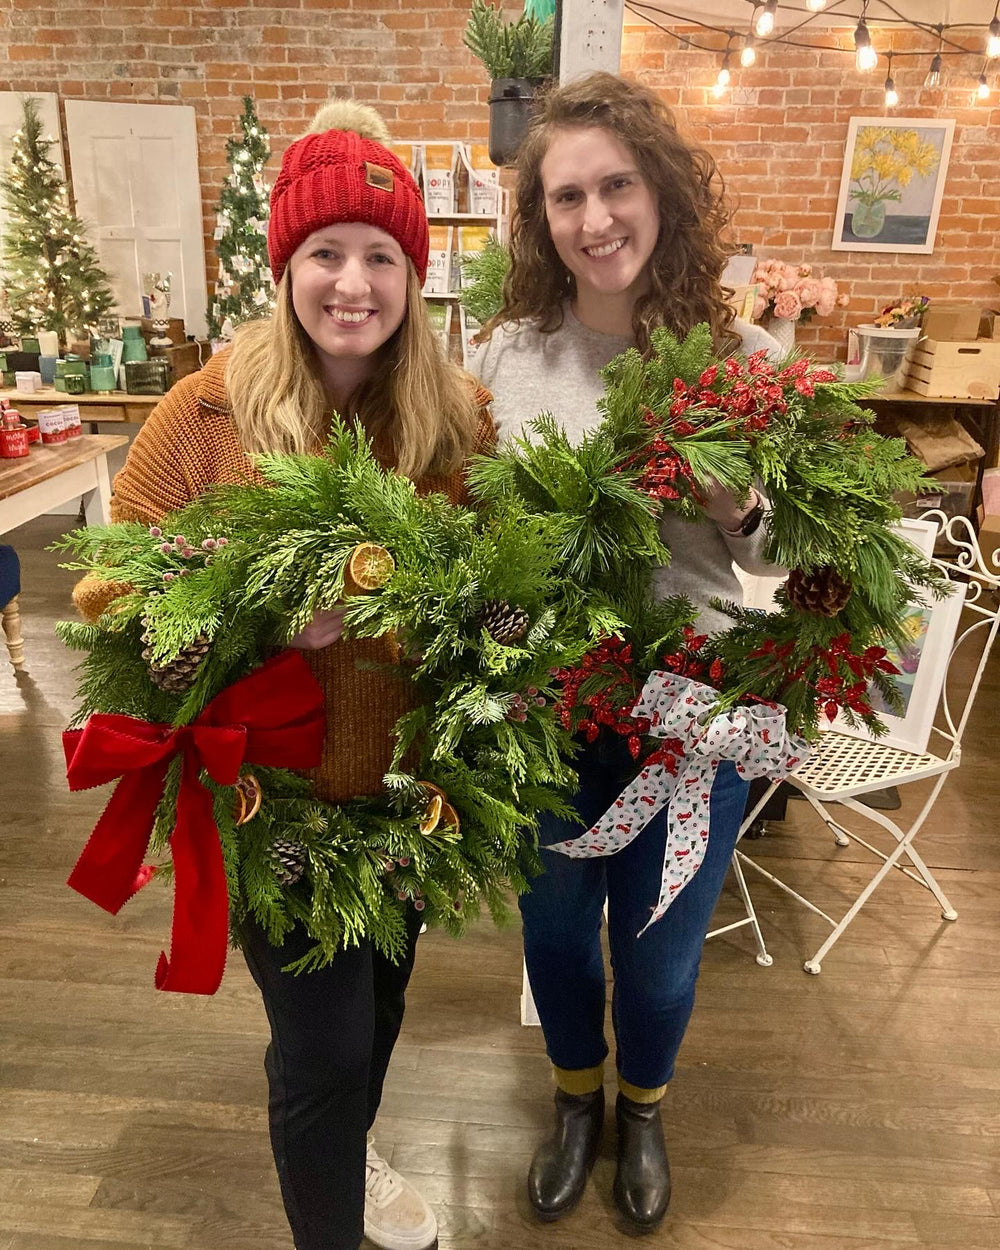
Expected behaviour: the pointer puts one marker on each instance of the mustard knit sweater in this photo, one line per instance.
(190, 443)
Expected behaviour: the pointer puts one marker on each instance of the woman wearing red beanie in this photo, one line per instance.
(348, 244)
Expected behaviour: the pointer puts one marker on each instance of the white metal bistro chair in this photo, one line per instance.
(843, 766)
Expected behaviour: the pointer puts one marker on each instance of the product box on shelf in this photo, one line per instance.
(440, 315)
(952, 496)
(483, 188)
(964, 369)
(989, 535)
(989, 324)
(468, 240)
(439, 161)
(408, 155)
(439, 261)
(950, 321)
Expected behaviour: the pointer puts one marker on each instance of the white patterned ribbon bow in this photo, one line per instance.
(754, 738)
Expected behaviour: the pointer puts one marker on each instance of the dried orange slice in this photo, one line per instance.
(369, 567)
(248, 798)
(449, 817)
(437, 800)
(432, 816)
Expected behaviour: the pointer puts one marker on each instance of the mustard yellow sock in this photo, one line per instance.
(579, 1080)
(636, 1093)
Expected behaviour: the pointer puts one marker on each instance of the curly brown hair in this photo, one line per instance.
(686, 265)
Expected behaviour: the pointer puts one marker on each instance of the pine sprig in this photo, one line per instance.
(483, 274)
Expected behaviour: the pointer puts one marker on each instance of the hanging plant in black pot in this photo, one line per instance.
(518, 58)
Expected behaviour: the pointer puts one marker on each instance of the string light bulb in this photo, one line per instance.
(725, 77)
(993, 38)
(983, 89)
(891, 95)
(765, 19)
(816, 5)
(933, 78)
(749, 53)
(865, 56)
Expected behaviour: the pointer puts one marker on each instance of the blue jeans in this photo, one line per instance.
(654, 975)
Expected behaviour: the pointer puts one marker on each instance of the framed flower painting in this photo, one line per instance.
(892, 184)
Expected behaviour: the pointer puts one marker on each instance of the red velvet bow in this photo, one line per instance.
(274, 716)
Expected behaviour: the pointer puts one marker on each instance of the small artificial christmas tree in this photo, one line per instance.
(244, 289)
(53, 277)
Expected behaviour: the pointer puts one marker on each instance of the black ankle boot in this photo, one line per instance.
(558, 1172)
(642, 1182)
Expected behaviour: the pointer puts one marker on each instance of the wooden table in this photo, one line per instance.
(49, 476)
(115, 406)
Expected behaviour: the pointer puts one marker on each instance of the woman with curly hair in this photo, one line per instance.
(617, 231)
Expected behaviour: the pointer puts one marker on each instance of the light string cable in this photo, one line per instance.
(842, 8)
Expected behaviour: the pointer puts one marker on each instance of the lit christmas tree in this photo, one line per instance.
(244, 288)
(53, 277)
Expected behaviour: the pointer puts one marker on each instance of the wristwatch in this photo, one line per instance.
(750, 522)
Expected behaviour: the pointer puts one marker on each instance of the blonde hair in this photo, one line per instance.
(417, 404)
(686, 265)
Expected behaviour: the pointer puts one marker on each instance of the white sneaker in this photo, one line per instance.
(396, 1217)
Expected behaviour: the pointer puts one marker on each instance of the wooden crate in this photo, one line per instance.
(965, 370)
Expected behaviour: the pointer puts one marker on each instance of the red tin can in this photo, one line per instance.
(13, 442)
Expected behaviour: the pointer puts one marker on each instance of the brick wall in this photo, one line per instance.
(404, 56)
(779, 136)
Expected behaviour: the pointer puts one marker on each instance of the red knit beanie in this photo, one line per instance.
(338, 175)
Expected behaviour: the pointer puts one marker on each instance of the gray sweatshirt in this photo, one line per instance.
(529, 372)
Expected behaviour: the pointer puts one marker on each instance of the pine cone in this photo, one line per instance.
(504, 624)
(823, 592)
(288, 859)
(178, 674)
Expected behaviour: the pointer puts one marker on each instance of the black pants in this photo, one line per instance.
(332, 1033)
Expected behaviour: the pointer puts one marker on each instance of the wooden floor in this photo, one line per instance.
(851, 1110)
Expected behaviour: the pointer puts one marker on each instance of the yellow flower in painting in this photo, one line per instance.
(867, 137)
(886, 159)
(924, 159)
(860, 164)
(912, 625)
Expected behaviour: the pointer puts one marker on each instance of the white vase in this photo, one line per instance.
(783, 329)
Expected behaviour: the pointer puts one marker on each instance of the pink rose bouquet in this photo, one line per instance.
(794, 291)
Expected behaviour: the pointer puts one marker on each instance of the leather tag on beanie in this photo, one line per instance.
(379, 177)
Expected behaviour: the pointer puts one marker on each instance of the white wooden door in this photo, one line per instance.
(136, 181)
(11, 119)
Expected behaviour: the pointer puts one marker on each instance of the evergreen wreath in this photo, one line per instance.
(480, 756)
(521, 623)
